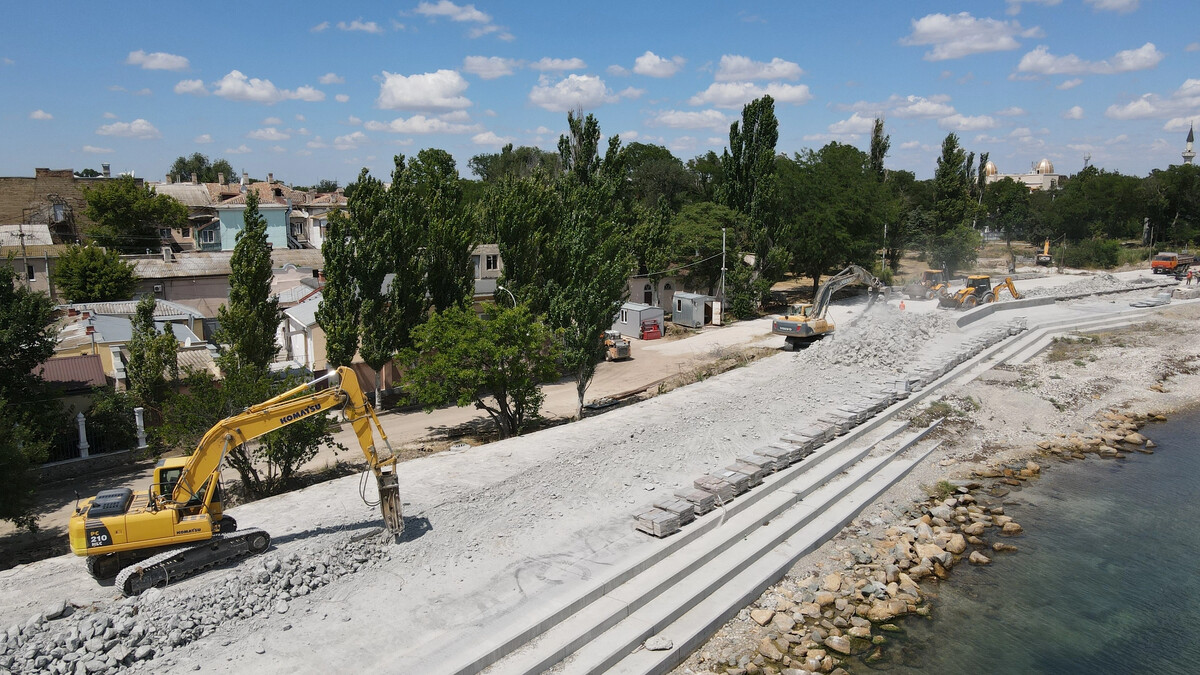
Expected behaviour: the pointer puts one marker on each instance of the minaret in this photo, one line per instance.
(1188, 153)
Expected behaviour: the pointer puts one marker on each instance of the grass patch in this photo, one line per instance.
(1070, 348)
(940, 490)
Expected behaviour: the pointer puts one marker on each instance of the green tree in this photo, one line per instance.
(1008, 209)
(153, 360)
(92, 274)
(326, 185)
(27, 338)
(708, 174)
(449, 230)
(496, 362)
(696, 240)
(206, 172)
(1172, 198)
(951, 242)
(251, 317)
(880, 144)
(749, 187)
(88, 173)
(509, 163)
(339, 309)
(654, 173)
(128, 216)
(526, 214)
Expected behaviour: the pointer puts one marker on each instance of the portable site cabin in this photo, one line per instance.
(631, 315)
(692, 310)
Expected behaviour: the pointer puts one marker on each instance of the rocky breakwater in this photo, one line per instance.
(141, 632)
(812, 625)
(1114, 435)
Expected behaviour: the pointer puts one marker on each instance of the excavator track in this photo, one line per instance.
(178, 563)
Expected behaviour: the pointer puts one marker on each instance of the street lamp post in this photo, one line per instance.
(514, 298)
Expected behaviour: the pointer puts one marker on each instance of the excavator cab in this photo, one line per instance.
(1044, 258)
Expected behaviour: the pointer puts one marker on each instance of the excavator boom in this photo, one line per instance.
(809, 323)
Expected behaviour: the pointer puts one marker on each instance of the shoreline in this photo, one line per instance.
(840, 600)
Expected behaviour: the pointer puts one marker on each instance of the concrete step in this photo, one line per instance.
(681, 580)
(700, 604)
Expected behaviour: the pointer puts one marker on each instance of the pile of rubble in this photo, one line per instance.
(881, 341)
(138, 631)
(1101, 283)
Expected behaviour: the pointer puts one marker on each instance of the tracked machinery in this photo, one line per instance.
(178, 526)
(932, 284)
(978, 291)
(805, 323)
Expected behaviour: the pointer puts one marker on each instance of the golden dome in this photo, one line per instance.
(1044, 167)
(990, 169)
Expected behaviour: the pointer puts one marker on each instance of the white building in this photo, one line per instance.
(1041, 176)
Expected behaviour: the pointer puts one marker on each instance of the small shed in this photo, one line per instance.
(631, 315)
(692, 310)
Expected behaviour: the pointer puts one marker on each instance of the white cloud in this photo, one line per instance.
(202, 139)
(818, 138)
(138, 128)
(341, 98)
(319, 27)
(272, 121)
(921, 107)
(331, 78)
(239, 150)
(316, 143)
(909, 145)
(733, 68)
(449, 10)
(679, 119)
(958, 35)
(194, 87)
(91, 149)
(427, 91)
(1179, 124)
(1192, 47)
(1073, 113)
(277, 148)
(683, 144)
(617, 71)
(237, 87)
(349, 141)
(490, 138)
(1117, 139)
(1182, 102)
(360, 25)
(960, 122)
(1014, 6)
(268, 134)
(40, 114)
(157, 61)
(1011, 111)
(653, 65)
(1122, 6)
(420, 124)
(353, 121)
(144, 91)
(1041, 62)
(548, 64)
(489, 67)
(7, 61)
(1069, 84)
(109, 116)
(575, 91)
(455, 116)
(856, 124)
(631, 93)
(488, 29)
(737, 94)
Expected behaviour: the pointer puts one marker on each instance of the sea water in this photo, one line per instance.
(1107, 578)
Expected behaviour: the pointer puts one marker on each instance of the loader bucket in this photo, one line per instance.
(389, 499)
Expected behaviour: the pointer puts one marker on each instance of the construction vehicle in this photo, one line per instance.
(178, 526)
(1044, 258)
(616, 348)
(932, 284)
(1169, 262)
(806, 323)
(978, 291)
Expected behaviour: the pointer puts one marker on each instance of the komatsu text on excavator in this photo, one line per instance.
(179, 526)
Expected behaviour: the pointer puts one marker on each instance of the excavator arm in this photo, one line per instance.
(292, 406)
(839, 281)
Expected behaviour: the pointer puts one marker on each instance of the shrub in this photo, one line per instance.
(1094, 254)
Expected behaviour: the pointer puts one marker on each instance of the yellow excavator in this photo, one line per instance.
(978, 291)
(806, 323)
(1044, 258)
(179, 526)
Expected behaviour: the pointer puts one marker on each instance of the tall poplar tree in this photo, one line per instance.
(153, 361)
(251, 317)
(339, 310)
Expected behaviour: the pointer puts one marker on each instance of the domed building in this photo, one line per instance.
(1041, 176)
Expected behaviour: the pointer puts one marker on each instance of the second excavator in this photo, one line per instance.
(806, 322)
(178, 526)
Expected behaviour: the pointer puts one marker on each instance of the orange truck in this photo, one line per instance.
(1168, 262)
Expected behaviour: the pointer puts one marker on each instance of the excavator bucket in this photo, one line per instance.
(389, 499)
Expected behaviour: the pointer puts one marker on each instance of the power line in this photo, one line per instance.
(673, 269)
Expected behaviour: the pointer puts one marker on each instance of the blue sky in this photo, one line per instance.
(319, 90)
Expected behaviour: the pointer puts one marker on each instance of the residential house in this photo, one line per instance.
(33, 252)
(309, 220)
(656, 293)
(105, 336)
(165, 311)
(52, 197)
(301, 339)
(73, 378)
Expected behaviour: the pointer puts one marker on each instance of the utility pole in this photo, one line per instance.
(24, 253)
(722, 269)
(883, 253)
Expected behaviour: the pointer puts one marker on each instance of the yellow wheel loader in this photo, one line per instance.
(932, 284)
(978, 291)
(178, 526)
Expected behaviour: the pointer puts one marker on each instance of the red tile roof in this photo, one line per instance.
(73, 372)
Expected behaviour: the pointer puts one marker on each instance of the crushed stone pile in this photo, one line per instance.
(881, 341)
(1101, 283)
(140, 632)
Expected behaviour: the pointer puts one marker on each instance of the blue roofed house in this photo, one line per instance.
(275, 205)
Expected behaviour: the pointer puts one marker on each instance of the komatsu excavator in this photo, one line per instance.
(178, 526)
(806, 322)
